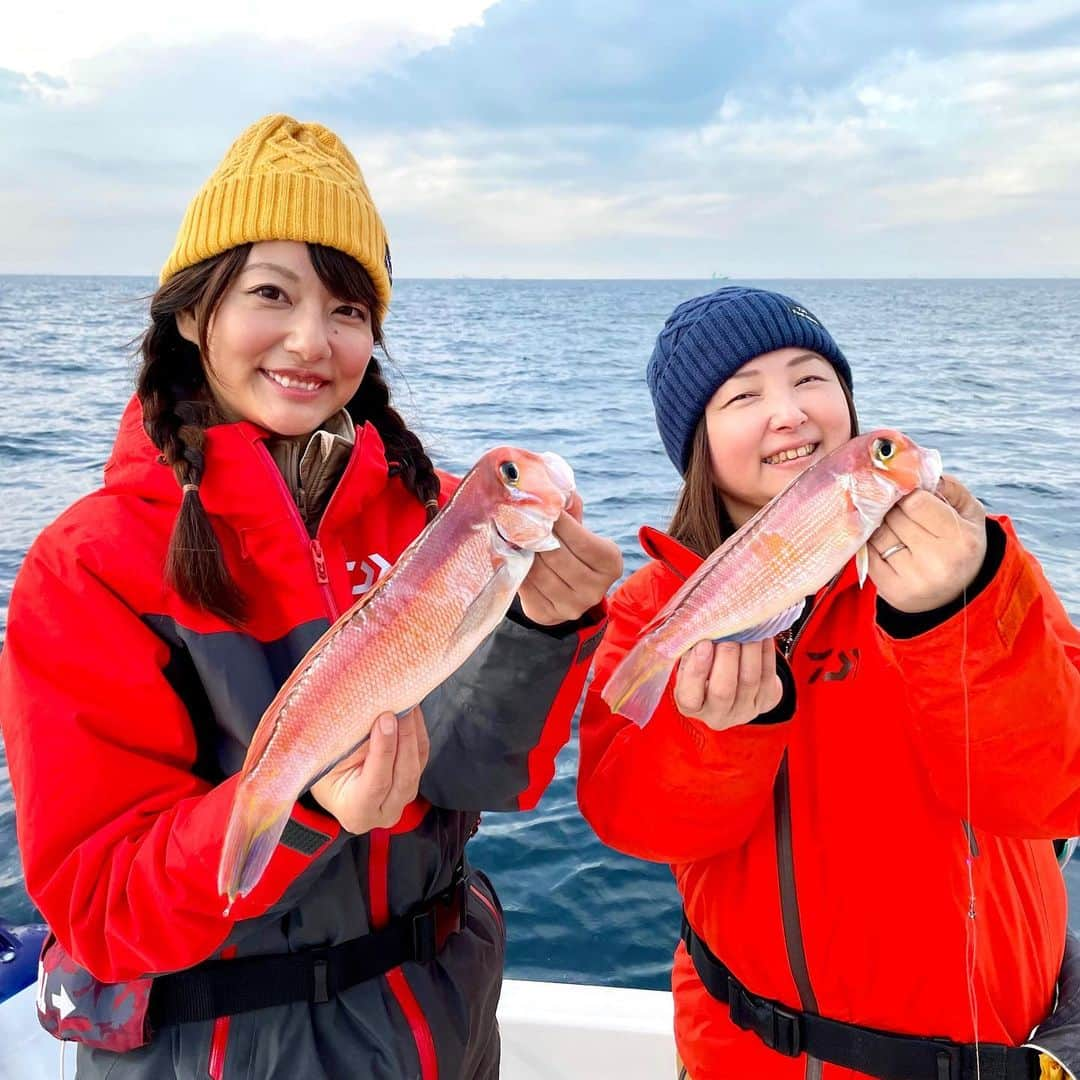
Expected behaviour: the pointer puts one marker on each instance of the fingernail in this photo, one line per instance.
(388, 722)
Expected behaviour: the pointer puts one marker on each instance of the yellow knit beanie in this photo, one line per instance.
(283, 180)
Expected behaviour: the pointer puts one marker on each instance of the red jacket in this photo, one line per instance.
(126, 713)
(848, 817)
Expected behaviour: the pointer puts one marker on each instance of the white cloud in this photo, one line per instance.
(59, 38)
(957, 160)
(1012, 16)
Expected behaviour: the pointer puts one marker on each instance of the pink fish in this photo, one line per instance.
(444, 595)
(756, 583)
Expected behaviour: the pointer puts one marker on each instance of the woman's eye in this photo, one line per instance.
(809, 378)
(269, 292)
(353, 312)
(738, 397)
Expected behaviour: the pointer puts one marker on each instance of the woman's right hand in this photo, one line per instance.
(727, 684)
(371, 788)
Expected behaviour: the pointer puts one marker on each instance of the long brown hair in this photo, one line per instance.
(701, 521)
(172, 389)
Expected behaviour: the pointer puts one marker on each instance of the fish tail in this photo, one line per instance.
(254, 829)
(638, 683)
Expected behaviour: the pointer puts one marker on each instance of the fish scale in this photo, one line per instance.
(803, 557)
(350, 682)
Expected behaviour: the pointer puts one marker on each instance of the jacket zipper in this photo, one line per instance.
(315, 551)
(785, 858)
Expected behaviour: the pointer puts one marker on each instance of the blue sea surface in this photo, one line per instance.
(986, 371)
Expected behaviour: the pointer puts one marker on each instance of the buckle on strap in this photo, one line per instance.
(428, 927)
(320, 982)
(950, 1063)
(459, 894)
(778, 1028)
(424, 943)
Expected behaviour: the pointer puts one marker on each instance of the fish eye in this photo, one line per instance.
(510, 473)
(884, 449)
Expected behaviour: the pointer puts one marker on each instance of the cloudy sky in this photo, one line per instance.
(569, 138)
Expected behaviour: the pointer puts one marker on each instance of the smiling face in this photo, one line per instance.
(776, 416)
(284, 352)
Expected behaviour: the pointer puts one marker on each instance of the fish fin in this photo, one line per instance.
(638, 683)
(770, 628)
(254, 829)
(870, 512)
(479, 609)
(862, 564)
(549, 544)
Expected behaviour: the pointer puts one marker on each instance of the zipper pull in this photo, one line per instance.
(320, 563)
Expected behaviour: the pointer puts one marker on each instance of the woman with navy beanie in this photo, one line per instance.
(858, 813)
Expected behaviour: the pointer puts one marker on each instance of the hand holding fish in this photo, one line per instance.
(565, 583)
(371, 788)
(935, 547)
(728, 684)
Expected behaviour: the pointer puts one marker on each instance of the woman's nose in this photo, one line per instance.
(308, 339)
(786, 414)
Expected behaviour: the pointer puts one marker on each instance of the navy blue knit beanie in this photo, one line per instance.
(709, 338)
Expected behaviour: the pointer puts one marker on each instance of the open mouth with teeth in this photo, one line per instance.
(294, 382)
(791, 455)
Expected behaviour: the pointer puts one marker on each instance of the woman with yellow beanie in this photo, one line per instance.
(262, 480)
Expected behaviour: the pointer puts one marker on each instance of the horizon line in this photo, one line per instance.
(733, 279)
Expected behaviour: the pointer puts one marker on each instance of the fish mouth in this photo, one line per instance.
(505, 539)
(930, 469)
(794, 454)
(562, 476)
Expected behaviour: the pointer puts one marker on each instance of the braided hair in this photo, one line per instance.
(410, 461)
(177, 407)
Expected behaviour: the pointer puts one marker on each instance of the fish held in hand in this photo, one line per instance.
(755, 584)
(443, 596)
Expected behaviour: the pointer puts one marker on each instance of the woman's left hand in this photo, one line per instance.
(935, 545)
(565, 583)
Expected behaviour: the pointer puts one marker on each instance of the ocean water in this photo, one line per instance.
(984, 370)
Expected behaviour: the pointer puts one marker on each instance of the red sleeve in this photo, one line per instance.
(448, 484)
(674, 790)
(1020, 678)
(119, 840)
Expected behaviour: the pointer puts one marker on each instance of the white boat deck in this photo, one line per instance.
(549, 1030)
(568, 1030)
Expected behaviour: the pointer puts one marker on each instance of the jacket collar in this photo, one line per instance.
(240, 482)
(678, 558)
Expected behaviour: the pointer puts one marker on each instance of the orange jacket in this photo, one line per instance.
(824, 858)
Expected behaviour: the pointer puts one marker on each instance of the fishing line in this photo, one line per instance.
(971, 931)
